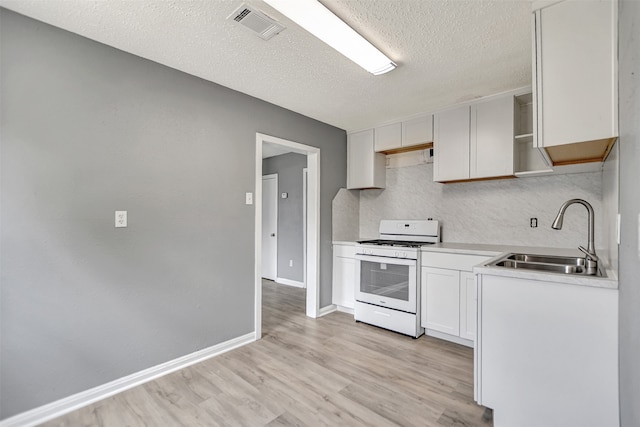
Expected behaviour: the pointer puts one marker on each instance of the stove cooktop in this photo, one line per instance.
(394, 243)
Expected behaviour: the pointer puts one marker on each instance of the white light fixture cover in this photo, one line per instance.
(322, 23)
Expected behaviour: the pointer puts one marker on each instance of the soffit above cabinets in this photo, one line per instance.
(447, 51)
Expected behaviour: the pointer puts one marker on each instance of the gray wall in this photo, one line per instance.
(629, 278)
(290, 212)
(87, 130)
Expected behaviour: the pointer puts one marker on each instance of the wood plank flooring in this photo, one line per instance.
(329, 371)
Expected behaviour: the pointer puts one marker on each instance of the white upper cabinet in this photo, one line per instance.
(365, 167)
(451, 145)
(388, 137)
(491, 144)
(474, 142)
(417, 131)
(575, 81)
(404, 136)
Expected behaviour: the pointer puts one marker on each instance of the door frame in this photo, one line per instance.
(271, 176)
(312, 261)
(305, 175)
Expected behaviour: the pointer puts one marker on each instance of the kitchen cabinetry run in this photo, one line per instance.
(344, 276)
(365, 167)
(474, 141)
(449, 296)
(412, 134)
(547, 353)
(575, 80)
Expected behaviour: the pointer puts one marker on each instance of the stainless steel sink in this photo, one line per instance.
(548, 259)
(546, 263)
(556, 268)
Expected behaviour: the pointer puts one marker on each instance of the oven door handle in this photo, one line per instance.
(386, 260)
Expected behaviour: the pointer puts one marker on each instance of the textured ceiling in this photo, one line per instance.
(448, 51)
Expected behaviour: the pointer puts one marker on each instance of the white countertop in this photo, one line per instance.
(497, 251)
(343, 242)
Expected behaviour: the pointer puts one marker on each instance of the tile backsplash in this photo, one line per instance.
(496, 211)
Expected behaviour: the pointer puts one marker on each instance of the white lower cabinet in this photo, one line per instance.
(468, 301)
(448, 296)
(344, 276)
(441, 300)
(547, 353)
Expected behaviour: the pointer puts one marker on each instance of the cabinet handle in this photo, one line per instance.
(382, 314)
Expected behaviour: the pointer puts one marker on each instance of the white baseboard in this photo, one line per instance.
(326, 310)
(447, 337)
(289, 282)
(63, 406)
(343, 309)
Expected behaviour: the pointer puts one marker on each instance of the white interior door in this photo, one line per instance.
(270, 226)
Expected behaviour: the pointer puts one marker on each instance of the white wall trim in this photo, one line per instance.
(347, 310)
(289, 282)
(76, 401)
(326, 310)
(447, 337)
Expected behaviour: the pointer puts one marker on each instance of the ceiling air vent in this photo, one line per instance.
(256, 21)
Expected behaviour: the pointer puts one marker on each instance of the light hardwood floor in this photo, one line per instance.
(304, 372)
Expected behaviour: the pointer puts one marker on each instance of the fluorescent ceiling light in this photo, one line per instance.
(322, 23)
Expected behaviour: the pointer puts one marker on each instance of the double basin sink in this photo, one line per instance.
(546, 263)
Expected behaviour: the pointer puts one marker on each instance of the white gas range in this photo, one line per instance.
(388, 275)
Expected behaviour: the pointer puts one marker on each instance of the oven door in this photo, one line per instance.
(387, 282)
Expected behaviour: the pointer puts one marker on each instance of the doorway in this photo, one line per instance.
(312, 217)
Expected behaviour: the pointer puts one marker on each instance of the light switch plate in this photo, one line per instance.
(121, 219)
(248, 198)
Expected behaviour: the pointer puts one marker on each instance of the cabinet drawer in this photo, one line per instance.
(394, 320)
(462, 262)
(345, 251)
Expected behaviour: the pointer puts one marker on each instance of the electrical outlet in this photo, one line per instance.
(121, 219)
(290, 263)
(533, 222)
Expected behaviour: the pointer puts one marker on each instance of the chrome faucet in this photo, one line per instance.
(591, 259)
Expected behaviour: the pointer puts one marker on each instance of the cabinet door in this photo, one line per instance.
(576, 86)
(468, 301)
(417, 131)
(442, 300)
(491, 146)
(451, 145)
(365, 167)
(540, 342)
(388, 137)
(344, 276)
